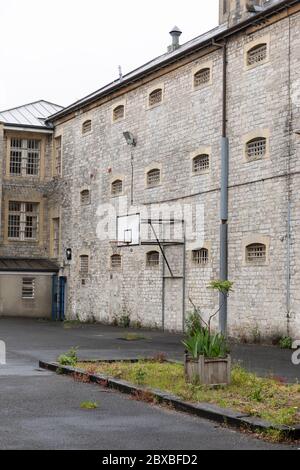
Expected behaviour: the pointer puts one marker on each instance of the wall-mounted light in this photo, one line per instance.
(69, 254)
(129, 138)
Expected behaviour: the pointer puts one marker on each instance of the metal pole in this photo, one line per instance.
(183, 277)
(224, 201)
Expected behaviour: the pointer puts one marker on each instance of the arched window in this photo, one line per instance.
(117, 188)
(200, 256)
(257, 54)
(256, 148)
(87, 127)
(155, 97)
(84, 265)
(116, 261)
(119, 112)
(202, 77)
(85, 197)
(152, 259)
(153, 177)
(256, 253)
(201, 163)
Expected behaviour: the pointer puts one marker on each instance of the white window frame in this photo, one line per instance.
(24, 155)
(23, 222)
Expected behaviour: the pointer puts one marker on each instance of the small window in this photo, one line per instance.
(58, 156)
(256, 148)
(153, 178)
(256, 253)
(86, 127)
(28, 285)
(155, 97)
(84, 265)
(152, 259)
(202, 77)
(200, 256)
(85, 197)
(119, 113)
(257, 54)
(201, 163)
(116, 261)
(117, 188)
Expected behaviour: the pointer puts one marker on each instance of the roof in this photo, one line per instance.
(30, 115)
(27, 265)
(218, 33)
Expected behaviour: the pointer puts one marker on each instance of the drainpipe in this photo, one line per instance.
(224, 198)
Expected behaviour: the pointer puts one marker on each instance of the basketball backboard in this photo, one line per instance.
(128, 230)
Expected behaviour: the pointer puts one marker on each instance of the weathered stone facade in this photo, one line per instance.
(263, 194)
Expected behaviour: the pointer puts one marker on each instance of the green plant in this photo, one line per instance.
(286, 342)
(70, 358)
(193, 323)
(124, 320)
(140, 375)
(88, 405)
(204, 343)
(133, 337)
(225, 287)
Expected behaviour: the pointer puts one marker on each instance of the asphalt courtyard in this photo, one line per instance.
(41, 410)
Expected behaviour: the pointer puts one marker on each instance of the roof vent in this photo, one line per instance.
(175, 33)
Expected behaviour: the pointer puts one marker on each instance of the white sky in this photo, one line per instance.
(61, 50)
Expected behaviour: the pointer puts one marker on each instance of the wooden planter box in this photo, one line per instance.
(207, 371)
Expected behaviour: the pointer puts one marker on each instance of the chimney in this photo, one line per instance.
(175, 33)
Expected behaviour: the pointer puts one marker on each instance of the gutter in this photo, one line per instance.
(25, 127)
(258, 18)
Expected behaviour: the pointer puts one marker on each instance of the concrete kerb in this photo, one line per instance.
(203, 410)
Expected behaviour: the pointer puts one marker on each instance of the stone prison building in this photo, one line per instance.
(111, 207)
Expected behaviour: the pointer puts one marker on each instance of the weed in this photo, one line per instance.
(140, 376)
(70, 358)
(286, 342)
(89, 405)
(133, 337)
(160, 357)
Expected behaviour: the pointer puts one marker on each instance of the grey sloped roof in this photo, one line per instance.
(187, 48)
(32, 114)
(27, 265)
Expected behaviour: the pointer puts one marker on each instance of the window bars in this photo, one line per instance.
(153, 178)
(256, 148)
(200, 256)
(22, 220)
(257, 54)
(202, 77)
(201, 163)
(25, 157)
(155, 97)
(256, 252)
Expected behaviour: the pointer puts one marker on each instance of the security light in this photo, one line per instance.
(129, 138)
(69, 254)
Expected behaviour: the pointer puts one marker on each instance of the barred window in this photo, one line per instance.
(201, 163)
(25, 157)
(28, 288)
(153, 259)
(119, 112)
(85, 198)
(117, 187)
(256, 148)
(155, 97)
(202, 77)
(84, 265)
(153, 178)
(58, 156)
(22, 220)
(87, 127)
(116, 261)
(200, 256)
(257, 54)
(256, 253)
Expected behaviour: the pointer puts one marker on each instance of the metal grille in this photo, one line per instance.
(153, 259)
(202, 77)
(22, 220)
(86, 127)
(28, 288)
(84, 265)
(85, 197)
(257, 54)
(58, 156)
(256, 253)
(116, 261)
(155, 97)
(201, 163)
(153, 177)
(25, 157)
(116, 187)
(256, 148)
(200, 256)
(119, 112)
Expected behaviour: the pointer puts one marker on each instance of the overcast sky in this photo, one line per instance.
(61, 50)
